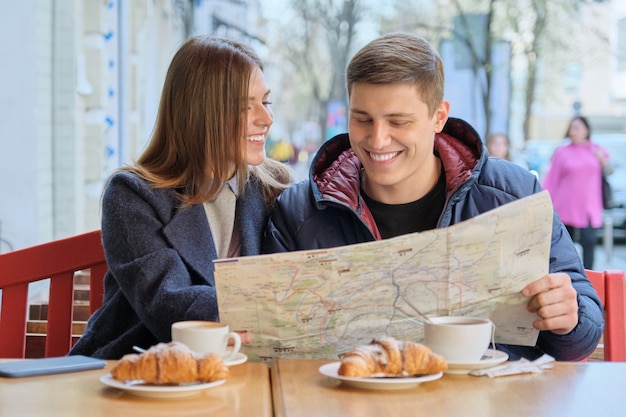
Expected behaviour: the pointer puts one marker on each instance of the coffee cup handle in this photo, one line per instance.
(234, 336)
(492, 340)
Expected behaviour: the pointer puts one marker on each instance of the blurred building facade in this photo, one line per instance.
(81, 82)
(591, 81)
(79, 90)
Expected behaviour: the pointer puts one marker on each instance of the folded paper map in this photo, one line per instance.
(322, 303)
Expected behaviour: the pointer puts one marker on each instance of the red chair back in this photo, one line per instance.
(611, 287)
(57, 260)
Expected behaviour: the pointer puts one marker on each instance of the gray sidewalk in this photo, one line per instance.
(616, 259)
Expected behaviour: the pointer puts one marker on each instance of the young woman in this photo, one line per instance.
(574, 181)
(201, 190)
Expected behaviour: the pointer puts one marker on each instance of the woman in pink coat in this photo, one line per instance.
(574, 181)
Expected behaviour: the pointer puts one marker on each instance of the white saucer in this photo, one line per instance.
(490, 358)
(237, 359)
(330, 370)
(158, 391)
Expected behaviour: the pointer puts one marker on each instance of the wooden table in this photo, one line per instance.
(245, 393)
(569, 389)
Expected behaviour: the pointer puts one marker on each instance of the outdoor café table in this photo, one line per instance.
(245, 393)
(568, 389)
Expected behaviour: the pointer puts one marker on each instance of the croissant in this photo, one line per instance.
(170, 363)
(388, 357)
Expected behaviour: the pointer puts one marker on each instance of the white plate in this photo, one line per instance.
(330, 370)
(238, 359)
(490, 358)
(158, 391)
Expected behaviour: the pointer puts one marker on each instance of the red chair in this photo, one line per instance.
(611, 287)
(57, 260)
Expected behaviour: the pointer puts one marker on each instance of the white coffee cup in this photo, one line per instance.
(207, 337)
(459, 339)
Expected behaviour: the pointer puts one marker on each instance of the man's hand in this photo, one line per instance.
(553, 298)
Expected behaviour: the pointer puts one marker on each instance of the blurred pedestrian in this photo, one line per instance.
(499, 146)
(574, 181)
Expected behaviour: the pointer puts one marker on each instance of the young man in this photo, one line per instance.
(406, 167)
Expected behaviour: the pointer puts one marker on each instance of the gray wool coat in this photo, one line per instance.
(160, 264)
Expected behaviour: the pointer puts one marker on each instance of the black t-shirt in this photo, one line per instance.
(399, 219)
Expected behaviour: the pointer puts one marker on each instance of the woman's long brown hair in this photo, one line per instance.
(199, 139)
